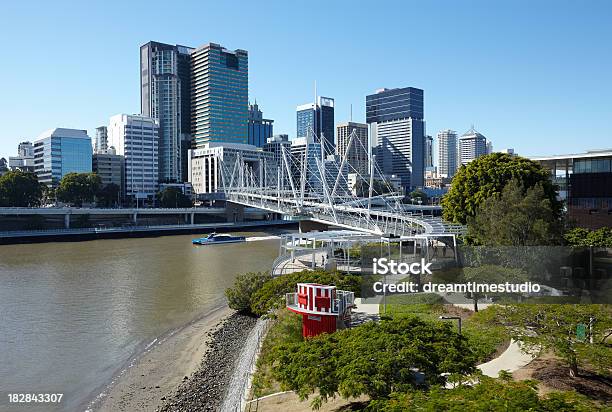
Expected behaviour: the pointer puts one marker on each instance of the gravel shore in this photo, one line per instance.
(205, 389)
(155, 376)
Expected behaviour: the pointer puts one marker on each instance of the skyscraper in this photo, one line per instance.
(60, 151)
(219, 95)
(471, 146)
(101, 142)
(318, 117)
(428, 151)
(25, 149)
(447, 153)
(357, 156)
(136, 138)
(165, 85)
(260, 129)
(397, 128)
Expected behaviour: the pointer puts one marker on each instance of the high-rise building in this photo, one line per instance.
(318, 118)
(25, 149)
(110, 167)
(60, 151)
(428, 151)
(275, 146)
(447, 153)
(219, 95)
(214, 162)
(305, 157)
(165, 95)
(260, 129)
(101, 142)
(397, 130)
(471, 146)
(136, 138)
(489, 147)
(357, 156)
(24, 160)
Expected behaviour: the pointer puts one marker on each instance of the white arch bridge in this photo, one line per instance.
(303, 183)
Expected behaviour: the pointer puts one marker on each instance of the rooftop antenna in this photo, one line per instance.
(351, 117)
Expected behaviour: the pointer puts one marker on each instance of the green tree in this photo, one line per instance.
(488, 175)
(78, 188)
(172, 197)
(490, 274)
(516, 217)
(374, 359)
(239, 296)
(488, 395)
(552, 327)
(362, 188)
(584, 237)
(417, 195)
(272, 293)
(108, 195)
(20, 189)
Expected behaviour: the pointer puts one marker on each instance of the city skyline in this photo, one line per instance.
(475, 87)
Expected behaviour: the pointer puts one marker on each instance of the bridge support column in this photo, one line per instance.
(192, 218)
(135, 218)
(67, 221)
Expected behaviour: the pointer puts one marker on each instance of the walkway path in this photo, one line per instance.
(510, 360)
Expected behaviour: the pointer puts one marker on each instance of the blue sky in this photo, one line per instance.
(532, 75)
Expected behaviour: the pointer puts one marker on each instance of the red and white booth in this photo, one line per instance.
(322, 307)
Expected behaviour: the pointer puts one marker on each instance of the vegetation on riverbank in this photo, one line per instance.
(260, 294)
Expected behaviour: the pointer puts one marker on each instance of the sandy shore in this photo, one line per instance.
(157, 374)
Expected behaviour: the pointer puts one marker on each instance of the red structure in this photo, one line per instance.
(322, 307)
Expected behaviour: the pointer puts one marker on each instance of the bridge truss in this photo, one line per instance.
(304, 183)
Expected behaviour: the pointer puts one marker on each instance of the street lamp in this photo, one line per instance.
(458, 318)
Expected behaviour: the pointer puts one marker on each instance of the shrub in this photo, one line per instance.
(239, 296)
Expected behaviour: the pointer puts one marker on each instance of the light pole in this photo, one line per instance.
(458, 318)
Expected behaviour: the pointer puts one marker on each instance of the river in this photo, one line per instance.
(72, 315)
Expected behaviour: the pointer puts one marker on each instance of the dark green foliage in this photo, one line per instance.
(78, 188)
(20, 189)
(172, 197)
(516, 217)
(487, 176)
(584, 237)
(417, 195)
(375, 359)
(272, 294)
(240, 294)
(108, 195)
(362, 188)
(488, 395)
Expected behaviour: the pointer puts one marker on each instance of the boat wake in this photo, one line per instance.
(256, 238)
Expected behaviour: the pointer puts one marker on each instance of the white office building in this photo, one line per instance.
(136, 138)
(213, 166)
(447, 153)
(357, 156)
(471, 146)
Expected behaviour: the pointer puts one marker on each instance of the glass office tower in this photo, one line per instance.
(60, 151)
(319, 118)
(397, 127)
(165, 84)
(260, 129)
(219, 95)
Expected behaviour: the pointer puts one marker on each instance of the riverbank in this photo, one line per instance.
(77, 235)
(205, 390)
(156, 375)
